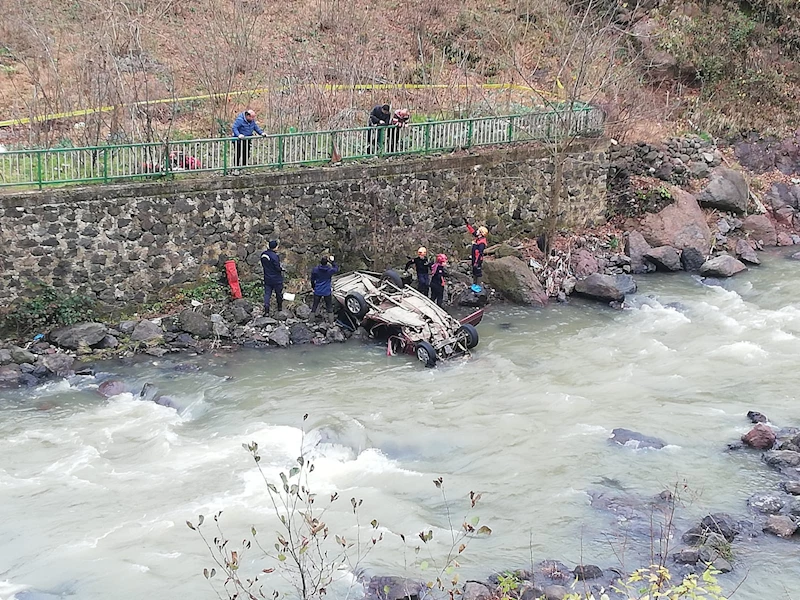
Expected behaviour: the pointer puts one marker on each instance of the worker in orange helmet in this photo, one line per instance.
(478, 248)
(422, 266)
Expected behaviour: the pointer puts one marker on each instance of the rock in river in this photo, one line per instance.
(723, 265)
(600, 287)
(195, 322)
(514, 280)
(633, 439)
(780, 525)
(666, 258)
(767, 504)
(75, 336)
(760, 437)
(146, 331)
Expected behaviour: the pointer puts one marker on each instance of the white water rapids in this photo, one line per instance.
(94, 493)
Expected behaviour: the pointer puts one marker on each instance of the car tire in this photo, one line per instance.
(470, 333)
(426, 354)
(394, 277)
(355, 305)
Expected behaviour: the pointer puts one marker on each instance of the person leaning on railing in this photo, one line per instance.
(400, 120)
(244, 127)
(379, 117)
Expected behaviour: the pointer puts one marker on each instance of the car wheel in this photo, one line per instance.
(470, 333)
(394, 277)
(355, 305)
(426, 354)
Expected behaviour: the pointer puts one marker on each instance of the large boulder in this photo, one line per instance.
(692, 259)
(635, 248)
(766, 504)
(21, 355)
(723, 265)
(760, 229)
(666, 258)
(780, 525)
(58, 364)
(583, 263)
(760, 437)
(146, 331)
(75, 336)
(600, 287)
(513, 279)
(195, 322)
(681, 225)
(726, 191)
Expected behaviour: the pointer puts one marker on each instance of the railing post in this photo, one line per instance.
(427, 137)
(333, 145)
(469, 133)
(105, 164)
(165, 168)
(381, 139)
(280, 151)
(510, 131)
(225, 144)
(39, 167)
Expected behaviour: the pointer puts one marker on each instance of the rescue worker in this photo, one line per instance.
(438, 273)
(321, 283)
(273, 276)
(400, 120)
(423, 268)
(379, 117)
(478, 248)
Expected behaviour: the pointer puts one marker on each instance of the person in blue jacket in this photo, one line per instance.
(321, 282)
(273, 276)
(244, 127)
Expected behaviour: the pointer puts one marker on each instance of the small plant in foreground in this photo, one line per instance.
(655, 583)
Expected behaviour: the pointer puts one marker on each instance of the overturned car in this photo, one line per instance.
(409, 322)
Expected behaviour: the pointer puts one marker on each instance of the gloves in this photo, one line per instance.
(241, 136)
(263, 135)
(331, 258)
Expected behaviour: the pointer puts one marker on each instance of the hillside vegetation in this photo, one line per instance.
(719, 66)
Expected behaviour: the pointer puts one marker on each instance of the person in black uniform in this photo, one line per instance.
(423, 267)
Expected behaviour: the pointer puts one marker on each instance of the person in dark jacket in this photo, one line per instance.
(478, 248)
(273, 276)
(438, 273)
(423, 268)
(400, 120)
(321, 282)
(244, 127)
(379, 117)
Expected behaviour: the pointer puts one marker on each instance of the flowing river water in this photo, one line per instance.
(95, 493)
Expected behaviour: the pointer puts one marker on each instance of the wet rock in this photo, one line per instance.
(20, 355)
(5, 357)
(584, 572)
(553, 571)
(681, 225)
(792, 487)
(476, 591)
(112, 387)
(722, 524)
(299, 333)
(127, 327)
(194, 322)
(184, 340)
(303, 312)
(146, 331)
(780, 525)
(721, 565)
(260, 322)
(335, 335)
(756, 417)
(767, 504)
(108, 342)
(794, 508)
(723, 265)
(600, 287)
(789, 440)
(666, 258)
(583, 263)
(513, 279)
(760, 437)
(280, 336)
(156, 351)
(746, 252)
(240, 311)
(635, 248)
(633, 439)
(687, 556)
(466, 297)
(784, 239)
(58, 364)
(555, 592)
(795, 256)
(219, 328)
(760, 229)
(75, 336)
(726, 191)
(393, 588)
(9, 375)
(692, 259)
(785, 461)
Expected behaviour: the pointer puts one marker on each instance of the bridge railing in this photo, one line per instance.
(58, 166)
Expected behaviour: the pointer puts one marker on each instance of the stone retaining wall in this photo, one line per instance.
(124, 243)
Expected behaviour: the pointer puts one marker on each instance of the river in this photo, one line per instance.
(95, 493)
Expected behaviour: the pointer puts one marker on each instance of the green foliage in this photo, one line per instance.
(253, 291)
(207, 291)
(46, 309)
(507, 584)
(655, 582)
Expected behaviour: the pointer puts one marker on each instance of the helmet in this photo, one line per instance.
(441, 258)
(483, 232)
(422, 251)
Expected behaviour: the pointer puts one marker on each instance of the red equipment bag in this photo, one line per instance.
(233, 278)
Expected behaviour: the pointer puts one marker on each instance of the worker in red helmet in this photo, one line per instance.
(438, 273)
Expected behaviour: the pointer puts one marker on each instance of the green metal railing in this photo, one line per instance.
(54, 166)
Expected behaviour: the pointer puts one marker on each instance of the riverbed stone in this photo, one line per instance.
(780, 525)
(9, 375)
(792, 487)
(335, 335)
(794, 508)
(300, 333)
(583, 263)
(726, 191)
(474, 590)
(687, 556)
(280, 336)
(219, 328)
(785, 461)
(59, 364)
(756, 417)
(760, 229)
(394, 588)
(721, 565)
(746, 252)
(692, 259)
(240, 311)
(723, 265)
(127, 327)
(721, 523)
(146, 331)
(5, 357)
(584, 572)
(634, 439)
(195, 322)
(75, 336)
(108, 342)
(681, 224)
(635, 248)
(514, 280)
(303, 312)
(766, 503)
(555, 592)
(666, 258)
(21, 355)
(760, 437)
(260, 322)
(625, 283)
(111, 387)
(600, 287)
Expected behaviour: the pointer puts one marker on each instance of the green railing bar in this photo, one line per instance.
(39, 168)
(280, 151)
(105, 165)
(510, 131)
(225, 145)
(469, 132)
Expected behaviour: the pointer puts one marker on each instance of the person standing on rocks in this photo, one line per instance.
(321, 283)
(423, 268)
(478, 248)
(273, 276)
(438, 273)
